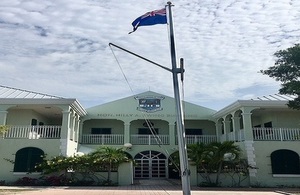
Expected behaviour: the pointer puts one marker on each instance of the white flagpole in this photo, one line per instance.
(185, 172)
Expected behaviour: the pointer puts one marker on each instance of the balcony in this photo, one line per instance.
(33, 132)
(150, 139)
(193, 139)
(236, 136)
(276, 134)
(103, 139)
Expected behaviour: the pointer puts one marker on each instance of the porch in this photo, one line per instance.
(264, 134)
(33, 132)
(137, 139)
(276, 134)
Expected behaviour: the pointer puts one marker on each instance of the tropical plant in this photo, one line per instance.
(109, 157)
(222, 152)
(200, 154)
(3, 129)
(287, 70)
(212, 158)
(103, 159)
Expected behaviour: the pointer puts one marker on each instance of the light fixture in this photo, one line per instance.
(128, 146)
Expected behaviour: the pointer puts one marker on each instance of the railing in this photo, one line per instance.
(33, 132)
(276, 134)
(236, 136)
(150, 139)
(111, 139)
(192, 139)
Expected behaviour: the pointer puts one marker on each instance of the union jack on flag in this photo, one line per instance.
(150, 18)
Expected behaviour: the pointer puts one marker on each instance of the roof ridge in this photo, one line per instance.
(28, 93)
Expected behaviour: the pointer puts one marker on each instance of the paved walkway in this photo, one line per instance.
(142, 187)
(134, 190)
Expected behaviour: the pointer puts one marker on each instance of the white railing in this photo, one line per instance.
(150, 139)
(276, 134)
(193, 139)
(103, 139)
(236, 136)
(33, 132)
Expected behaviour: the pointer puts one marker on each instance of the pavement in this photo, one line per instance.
(142, 188)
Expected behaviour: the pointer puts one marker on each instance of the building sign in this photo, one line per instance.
(149, 104)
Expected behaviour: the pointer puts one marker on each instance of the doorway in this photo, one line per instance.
(150, 165)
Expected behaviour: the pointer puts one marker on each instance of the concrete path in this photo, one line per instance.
(134, 190)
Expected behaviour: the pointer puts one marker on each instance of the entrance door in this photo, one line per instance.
(150, 164)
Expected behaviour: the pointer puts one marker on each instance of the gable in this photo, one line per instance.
(149, 103)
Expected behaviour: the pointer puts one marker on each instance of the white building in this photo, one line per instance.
(265, 129)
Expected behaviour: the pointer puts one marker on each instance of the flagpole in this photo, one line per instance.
(185, 172)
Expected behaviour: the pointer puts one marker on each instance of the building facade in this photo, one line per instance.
(266, 130)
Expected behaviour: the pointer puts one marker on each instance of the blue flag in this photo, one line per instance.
(150, 18)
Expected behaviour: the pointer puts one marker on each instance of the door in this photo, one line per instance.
(150, 164)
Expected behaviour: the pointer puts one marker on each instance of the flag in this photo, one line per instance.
(150, 18)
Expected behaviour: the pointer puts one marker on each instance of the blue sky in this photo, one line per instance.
(60, 47)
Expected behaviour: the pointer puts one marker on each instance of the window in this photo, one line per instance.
(33, 121)
(193, 131)
(27, 158)
(147, 131)
(268, 124)
(285, 162)
(101, 130)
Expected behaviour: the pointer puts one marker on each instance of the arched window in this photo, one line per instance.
(285, 162)
(27, 158)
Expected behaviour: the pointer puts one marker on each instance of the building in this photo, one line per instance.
(265, 129)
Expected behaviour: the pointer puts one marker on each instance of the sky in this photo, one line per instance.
(61, 47)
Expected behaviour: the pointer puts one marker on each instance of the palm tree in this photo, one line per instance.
(200, 154)
(109, 157)
(221, 152)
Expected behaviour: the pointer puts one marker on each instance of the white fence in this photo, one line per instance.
(236, 136)
(192, 139)
(33, 132)
(276, 134)
(150, 139)
(111, 139)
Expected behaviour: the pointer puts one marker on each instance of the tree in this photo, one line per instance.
(222, 152)
(211, 158)
(109, 157)
(103, 159)
(287, 71)
(200, 154)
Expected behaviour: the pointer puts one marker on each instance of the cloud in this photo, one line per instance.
(61, 48)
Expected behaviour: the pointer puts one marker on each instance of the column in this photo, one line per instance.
(247, 126)
(236, 127)
(3, 115)
(65, 133)
(126, 132)
(172, 134)
(80, 134)
(218, 131)
(76, 128)
(226, 129)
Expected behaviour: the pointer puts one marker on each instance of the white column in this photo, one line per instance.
(226, 129)
(76, 128)
(3, 115)
(172, 133)
(65, 133)
(236, 127)
(126, 132)
(218, 131)
(247, 126)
